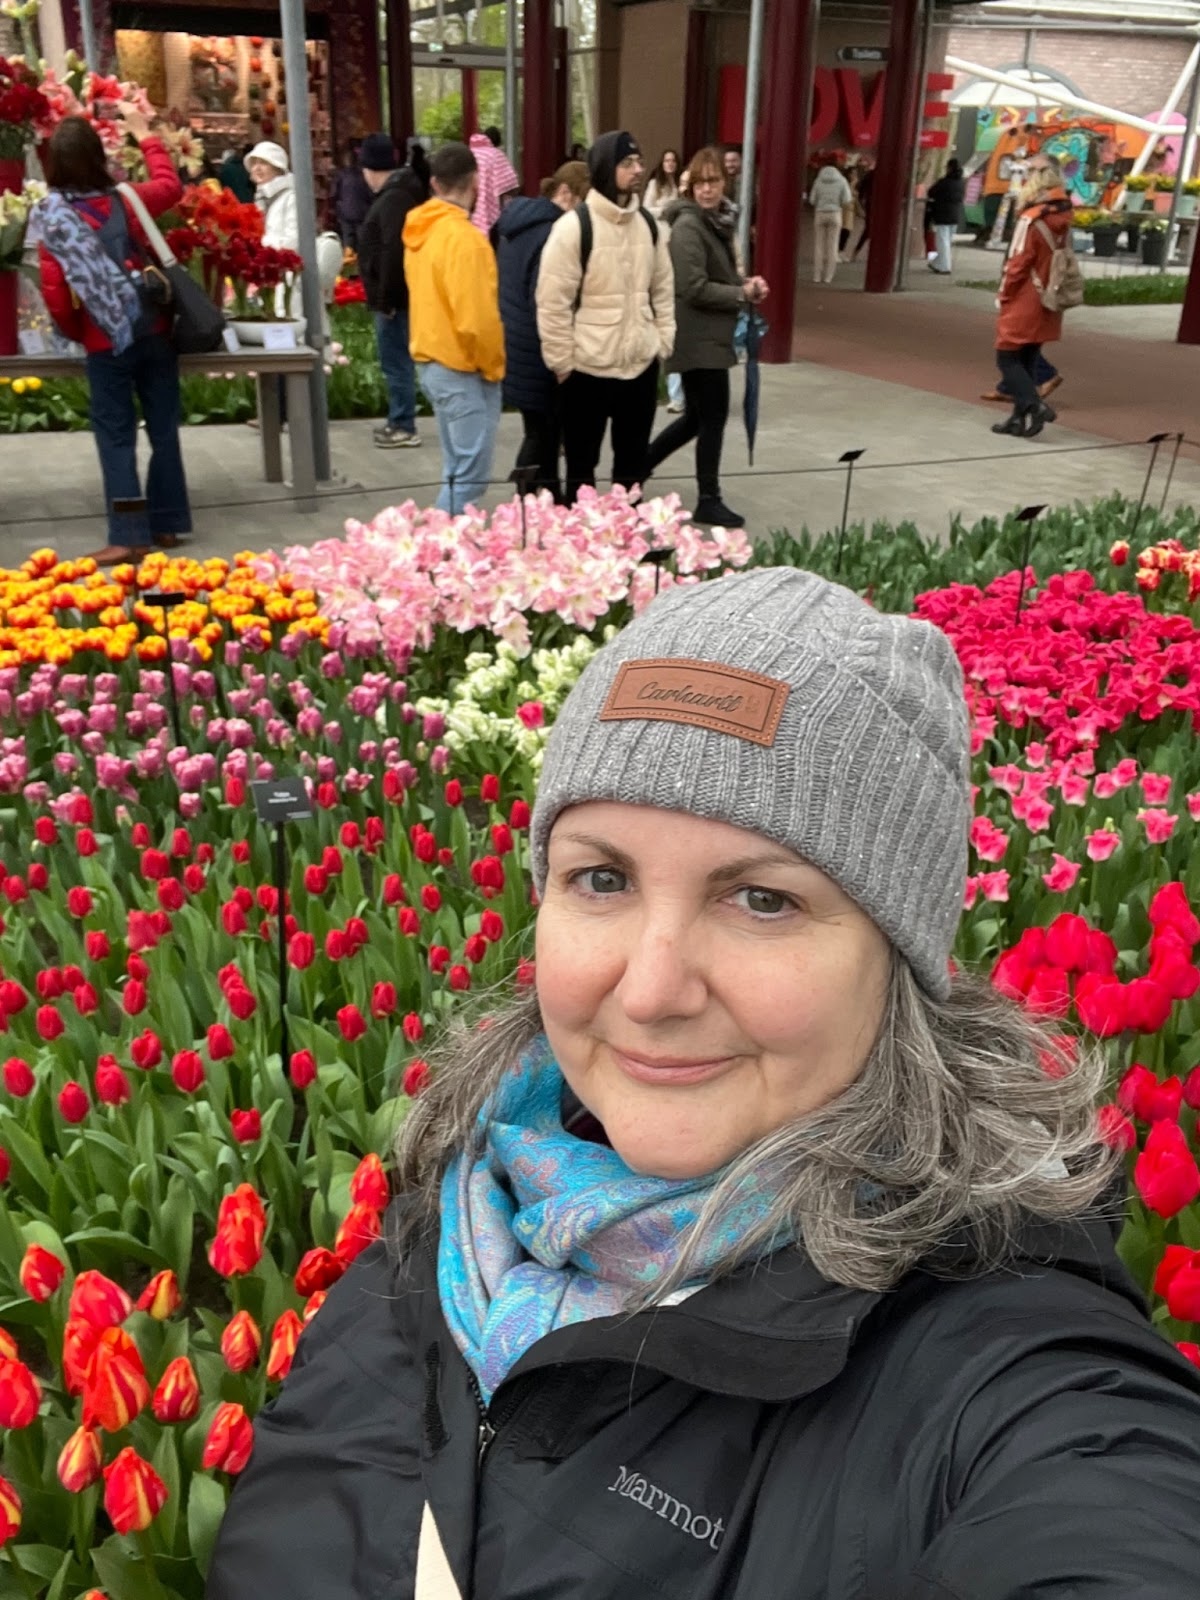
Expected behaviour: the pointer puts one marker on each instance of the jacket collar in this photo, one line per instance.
(602, 206)
(268, 191)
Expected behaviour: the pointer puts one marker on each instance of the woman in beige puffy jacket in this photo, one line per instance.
(604, 330)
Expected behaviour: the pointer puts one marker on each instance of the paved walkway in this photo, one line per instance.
(896, 376)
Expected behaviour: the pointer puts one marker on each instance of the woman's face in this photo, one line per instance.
(708, 188)
(670, 163)
(261, 171)
(700, 985)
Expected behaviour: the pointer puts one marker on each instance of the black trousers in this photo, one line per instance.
(539, 451)
(589, 405)
(705, 413)
(1018, 369)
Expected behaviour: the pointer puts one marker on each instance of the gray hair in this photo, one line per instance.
(967, 1121)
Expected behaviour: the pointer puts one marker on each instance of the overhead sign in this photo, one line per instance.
(862, 54)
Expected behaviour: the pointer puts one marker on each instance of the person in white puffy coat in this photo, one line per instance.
(275, 196)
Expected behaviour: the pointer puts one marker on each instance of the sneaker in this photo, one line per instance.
(676, 408)
(395, 439)
(717, 514)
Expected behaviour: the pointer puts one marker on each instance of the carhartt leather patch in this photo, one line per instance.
(725, 699)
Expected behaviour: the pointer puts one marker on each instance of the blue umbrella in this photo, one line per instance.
(751, 328)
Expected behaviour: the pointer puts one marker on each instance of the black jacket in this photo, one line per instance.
(944, 202)
(1024, 1435)
(521, 233)
(380, 247)
(708, 287)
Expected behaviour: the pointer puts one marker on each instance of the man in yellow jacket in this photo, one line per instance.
(456, 336)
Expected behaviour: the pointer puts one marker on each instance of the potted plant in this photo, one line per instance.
(1154, 242)
(1137, 191)
(1189, 200)
(221, 241)
(1164, 190)
(1104, 229)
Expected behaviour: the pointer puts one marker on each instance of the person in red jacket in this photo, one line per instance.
(1024, 323)
(93, 253)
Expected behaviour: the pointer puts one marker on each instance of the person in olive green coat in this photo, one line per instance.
(709, 293)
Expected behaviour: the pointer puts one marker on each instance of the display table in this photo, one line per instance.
(293, 366)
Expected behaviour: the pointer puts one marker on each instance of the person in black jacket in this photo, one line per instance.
(381, 266)
(756, 1253)
(521, 233)
(944, 214)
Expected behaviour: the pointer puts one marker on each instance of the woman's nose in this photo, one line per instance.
(663, 973)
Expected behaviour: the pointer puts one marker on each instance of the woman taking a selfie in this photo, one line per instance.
(93, 255)
(754, 1255)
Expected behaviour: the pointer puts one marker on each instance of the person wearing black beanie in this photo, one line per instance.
(395, 191)
(606, 316)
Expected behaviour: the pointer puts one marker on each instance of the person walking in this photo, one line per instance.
(498, 181)
(529, 385)
(102, 289)
(944, 214)
(662, 186)
(397, 191)
(828, 196)
(606, 316)
(709, 293)
(352, 194)
(862, 194)
(1025, 323)
(757, 1250)
(456, 338)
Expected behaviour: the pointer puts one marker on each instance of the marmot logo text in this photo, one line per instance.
(665, 1505)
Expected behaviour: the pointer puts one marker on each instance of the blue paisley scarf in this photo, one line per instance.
(542, 1229)
(109, 296)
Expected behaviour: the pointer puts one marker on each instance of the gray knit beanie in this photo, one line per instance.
(784, 704)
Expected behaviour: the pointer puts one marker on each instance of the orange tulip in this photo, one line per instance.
(369, 1185)
(80, 1460)
(10, 1511)
(20, 1395)
(134, 1493)
(115, 1388)
(98, 1300)
(41, 1272)
(79, 1345)
(161, 1297)
(284, 1337)
(361, 1228)
(241, 1343)
(241, 1223)
(177, 1397)
(230, 1439)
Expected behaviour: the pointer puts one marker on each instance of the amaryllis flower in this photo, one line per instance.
(20, 1394)
(115, 1389)
(41, 1272)
(162, 1297)
(81, 1460)
(284, 1338)
(177, 1394)
(230, 1440)
(241, 1225)
(1165, 1174)
(241, 1342)
(134, 1494)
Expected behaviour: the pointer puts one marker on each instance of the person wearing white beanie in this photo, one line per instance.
(275, 196)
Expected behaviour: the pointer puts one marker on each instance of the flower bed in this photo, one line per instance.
(180, 1186)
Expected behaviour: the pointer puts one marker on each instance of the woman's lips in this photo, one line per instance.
(671, 1071)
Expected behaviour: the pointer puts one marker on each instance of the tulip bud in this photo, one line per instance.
(491, 926)
(96, 944)
(49, 1024)
(162, 1297)
(409, 921)
(134, 1493)
(115, 1389)
(318, 1269)
(303, 1068)
(301, 951)
(416, 1075)
(41, 1273)
(431, 897)
(351, 1023)
(369, 1185)
(489, 789)
(80, 1460)
(187, 1071)
(284, 1338)
(220, 1042)
(79, 901)
(140, 835)
(383, 999)
(45, 831)
(86, 843)
(18, 1077)
(230, 1440)
(246, 1125)
(459, 978)
(134, 999)
(155, 864)
(146, 1050)
(177, 1396)
(112, 1082)
(393, 889)
(241, 1224)
(73, 1102)
(241, 1343)
(20, 1394)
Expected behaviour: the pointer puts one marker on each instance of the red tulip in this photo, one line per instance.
(1166, 1174)
(193, 878)
(177, 1395)
(170, 895)
(20, 1394)
(439, 958)
(13, 998)
(37, 876)
(86, 843)
(220, 1042)
(49, 1024)
(416, 1075)
(331, 860)
(393, 889)
(1147, 1005)
(1101, 1005)
(336, 946)
(357, 934)
(476, 948)
(301, 950)
(459, 978)
(113, 1087)
(134, 1493)
(85, 998)
(79, 1346)
(1148, 1099)
(369, 1185)
(99, 1301)
(454, 792)
(303, 1068)
(246, 1125)
(140, 835)
(488, 873)
(115, 1389)
(18, 1077)
(431, 897)
(1175, 1258)
(313, 1304)
(1183, 1294)
(241, 1342)
(502, 839)
(284, 1338)
(235, 792)
(45, 831)
(73, 1102)
(241, 1002)
(5, 1164)
(162, 1297)
(491, 926)
(230, 1440)
(1170, 908)
(41, 1272)
(155, 864)
(351, 1023)
(383, 999)
(96, 944)
(10, 1512)
(146, 1050)
(350, 835)
(414, 1028)
(360, 1228)
(318, 1269)
(135, 998)
(233, 918)
(326, 796)
(80, 1460)
(187, 1071)
(79, 901)
(241, 1224)
(408, 921)
(489, 789)
(519, 816)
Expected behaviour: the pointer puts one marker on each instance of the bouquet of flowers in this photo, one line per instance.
(221, 238)
(14, 214)
(23, 108)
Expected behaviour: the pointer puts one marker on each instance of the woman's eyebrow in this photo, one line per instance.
(725, 873)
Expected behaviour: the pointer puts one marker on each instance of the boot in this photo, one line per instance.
(1014, 425)
(711, 509)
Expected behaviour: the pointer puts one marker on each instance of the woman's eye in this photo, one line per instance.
(600, 880)
(766, 902)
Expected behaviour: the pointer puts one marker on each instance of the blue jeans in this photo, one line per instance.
(399, 373)
(467, 409)
(149, 369)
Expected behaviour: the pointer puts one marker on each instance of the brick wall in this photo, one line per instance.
(1135, 74)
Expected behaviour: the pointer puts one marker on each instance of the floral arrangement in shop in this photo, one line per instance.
(23, 108)
(95, 96)
(221, 239)
(15, 207)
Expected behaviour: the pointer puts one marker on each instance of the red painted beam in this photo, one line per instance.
(401, 116)
(695, 80)
(789, 58)
(902, 99)
(1189, 320)
(538, 158)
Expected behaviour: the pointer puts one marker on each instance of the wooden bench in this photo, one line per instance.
(293, 366)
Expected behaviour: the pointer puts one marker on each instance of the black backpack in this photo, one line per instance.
(586, 237)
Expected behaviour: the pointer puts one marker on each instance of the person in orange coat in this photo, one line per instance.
(1025, 324)
(92, 253)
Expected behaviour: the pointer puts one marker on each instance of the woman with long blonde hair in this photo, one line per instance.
(1025, 322)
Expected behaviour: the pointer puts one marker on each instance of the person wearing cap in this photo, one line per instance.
(455, 333)
(397, 190)
(275, 195)
(608, 322)
(755, 1252)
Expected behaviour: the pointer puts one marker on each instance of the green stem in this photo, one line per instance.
(26, 1577)
(143, 1539)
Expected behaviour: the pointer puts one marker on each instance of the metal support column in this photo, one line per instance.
(928, 8)
(1187, 152)
(758, 9)
(538, 158)
(790, 57)
(902, 99)
(560, 134)
(87, 35)
(401, 116)
(295, 69)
